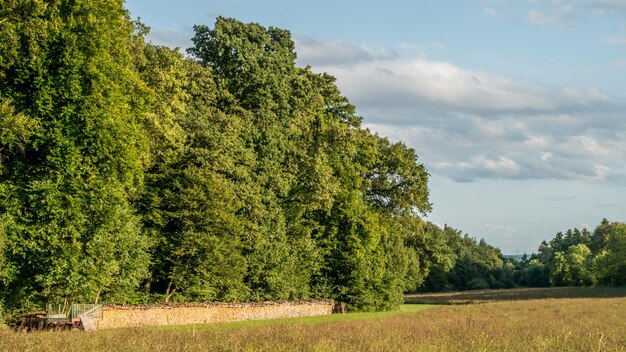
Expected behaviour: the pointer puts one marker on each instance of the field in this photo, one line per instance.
(506, 320)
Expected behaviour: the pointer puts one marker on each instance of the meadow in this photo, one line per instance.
(561, 319)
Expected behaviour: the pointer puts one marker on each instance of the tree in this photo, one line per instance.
(611, 264)
(468, 264)
(256, 66)
(535, 274)
(601, 236)
(397, 182)
(573, 267)
(65, 67)
(190, 202)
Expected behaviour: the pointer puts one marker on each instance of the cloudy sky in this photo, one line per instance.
(516, 107)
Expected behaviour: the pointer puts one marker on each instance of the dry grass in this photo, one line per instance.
(564, 324)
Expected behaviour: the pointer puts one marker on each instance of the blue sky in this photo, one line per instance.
(516, 107)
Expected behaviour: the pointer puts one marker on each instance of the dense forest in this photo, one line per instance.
(134, 173)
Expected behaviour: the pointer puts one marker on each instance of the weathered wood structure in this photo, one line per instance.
(60, 317)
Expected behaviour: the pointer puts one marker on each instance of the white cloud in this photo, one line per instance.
(609, 5)
(555, 13)
(436, 85)
(501, 165)
(540, 19)
(588, 96)
(171, 37)
(392, 82)
(616, 41)
(490, 12)
(473, 125)
(319, 52)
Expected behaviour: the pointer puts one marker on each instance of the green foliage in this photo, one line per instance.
(73, 157)
(577, 258)
(477, 283)
(322, 190)
(469, 264)
(131, 173)
(535, 274)
(573, 267)
(611, 263)
(16, 130)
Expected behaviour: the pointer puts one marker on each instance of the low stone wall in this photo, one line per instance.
(117, 316)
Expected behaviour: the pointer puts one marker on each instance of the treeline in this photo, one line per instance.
(573, 258)
(471, 264)
(578, 258)
(135, 173)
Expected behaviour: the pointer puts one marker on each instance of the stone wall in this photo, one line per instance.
(116, 316)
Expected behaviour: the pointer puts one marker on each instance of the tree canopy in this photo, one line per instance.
(131, 172)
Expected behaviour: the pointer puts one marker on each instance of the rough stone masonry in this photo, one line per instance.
(118, 316)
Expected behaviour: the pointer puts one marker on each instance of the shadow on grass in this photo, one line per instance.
(484, 296)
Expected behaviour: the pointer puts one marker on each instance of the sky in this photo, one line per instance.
(516, 107)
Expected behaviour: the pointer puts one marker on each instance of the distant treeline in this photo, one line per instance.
(471, 265)
(134, 173)
(574, 258)
(578, 258)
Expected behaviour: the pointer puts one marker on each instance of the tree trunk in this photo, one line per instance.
(169, 293)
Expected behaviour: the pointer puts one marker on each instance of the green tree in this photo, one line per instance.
(65, 66)
(611, 263)
(466, 264)
(573, 267)
(256, 65)
(190, 202)
(601, 236)
(535, 274)
(232, 175)
(397, 183)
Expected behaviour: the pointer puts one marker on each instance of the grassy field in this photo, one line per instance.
(518, 320)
